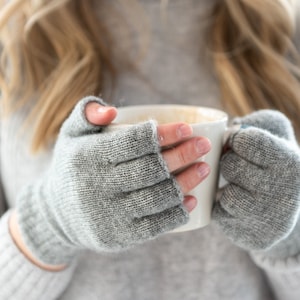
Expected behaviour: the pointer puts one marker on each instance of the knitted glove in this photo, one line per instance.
(104, 191)
(260, 205)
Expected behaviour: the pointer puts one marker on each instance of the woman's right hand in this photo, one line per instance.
(107, 191)
(168, 134)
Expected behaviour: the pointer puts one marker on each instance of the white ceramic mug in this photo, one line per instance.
(207, 122)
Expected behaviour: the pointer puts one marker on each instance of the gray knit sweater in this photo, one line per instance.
(201, 264)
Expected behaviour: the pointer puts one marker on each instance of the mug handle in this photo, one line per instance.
(230, 131)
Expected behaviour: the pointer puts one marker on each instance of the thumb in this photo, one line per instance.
(98, 114)
(86, 118)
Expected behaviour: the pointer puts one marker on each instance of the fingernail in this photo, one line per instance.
(184, 130)
(203, 170)
(104, 109)
(190, 203)
(202, 146)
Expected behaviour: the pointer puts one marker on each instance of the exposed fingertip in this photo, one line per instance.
(190, 202)
(104, 109)
(184, 130)
(98, 114)
(203, 170)
(203, 145)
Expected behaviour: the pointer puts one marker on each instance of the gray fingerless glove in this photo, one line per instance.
(259, 208)
(104, 191)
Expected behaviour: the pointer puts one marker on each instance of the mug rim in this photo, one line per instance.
(221, 115)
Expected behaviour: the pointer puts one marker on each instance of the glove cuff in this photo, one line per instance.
(285, 248)
(44, 241)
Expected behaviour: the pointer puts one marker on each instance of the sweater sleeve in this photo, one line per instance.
(20, 279)
(283, 275)
(281, 265)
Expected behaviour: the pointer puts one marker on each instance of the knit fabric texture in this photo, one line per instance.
(22, 279)
(199, 264)
(259, 207)
(105, 191)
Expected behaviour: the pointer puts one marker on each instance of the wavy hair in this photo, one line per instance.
(45, 64)
(254, 57)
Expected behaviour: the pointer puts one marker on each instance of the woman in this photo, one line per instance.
(88, 211)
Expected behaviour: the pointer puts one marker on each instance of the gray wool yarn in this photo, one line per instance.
(259, 208)
(104, 191)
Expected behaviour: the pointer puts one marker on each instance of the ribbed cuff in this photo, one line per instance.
(285, 250)
(20, 279)
(43, 240)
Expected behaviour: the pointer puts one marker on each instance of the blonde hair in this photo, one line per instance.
(255, 60)
(44, 62)
(55, 53)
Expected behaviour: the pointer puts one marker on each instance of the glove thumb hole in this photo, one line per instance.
(80, 123)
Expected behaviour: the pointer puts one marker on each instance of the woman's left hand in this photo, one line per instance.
(259, 207)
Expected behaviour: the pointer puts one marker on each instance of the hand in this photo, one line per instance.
(168, 134)
(109, 191)
(260, 205)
